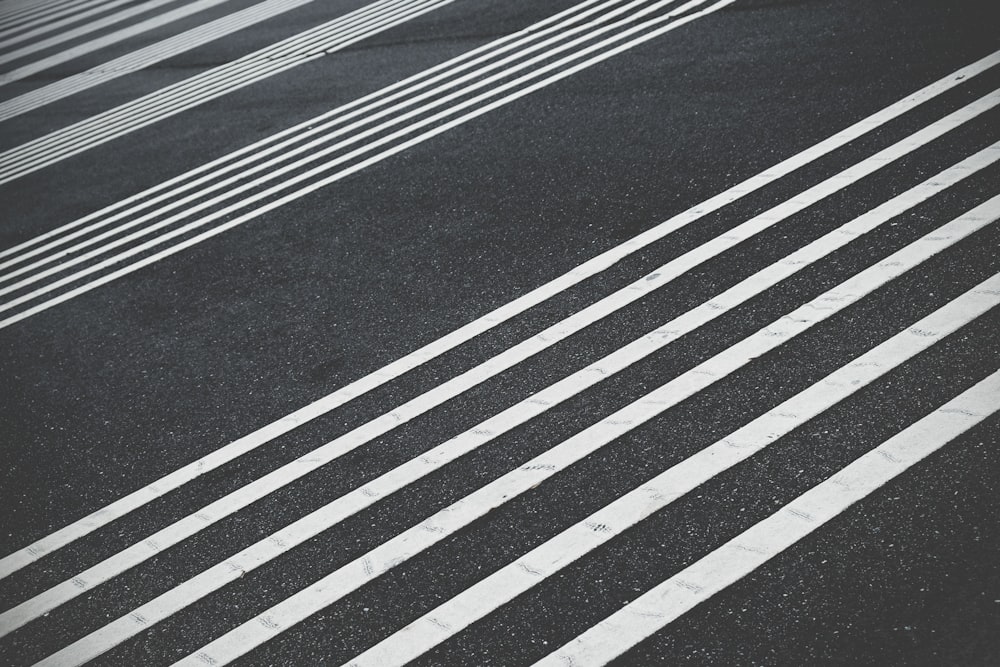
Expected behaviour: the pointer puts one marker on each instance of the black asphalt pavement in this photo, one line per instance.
(114, 387)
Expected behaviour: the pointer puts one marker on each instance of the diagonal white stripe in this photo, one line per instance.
(484, 597)
(462, 444)
(146, 494)
(754, 547)
(456, 516)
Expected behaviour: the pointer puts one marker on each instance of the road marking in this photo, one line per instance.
(85, 29)
(735, 559)
(476, 505)
(214, 83)
(11, 23)
(142, 496)
(145, 56)
(489, 594)
(312, 150)
(76, 51)
(980, 106)
(474, 437)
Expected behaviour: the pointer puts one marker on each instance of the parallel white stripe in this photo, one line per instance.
(140, 497)
(461, 513)
(79, 31)
(317, 172)
(55, 25)
(735, 559)
(25, 21)
(145, 56)
(488, 595)
(980, 106)
(199, 88)
(475, 437)
(184, 95)
(249, 166)
(103, 41)
(860, 128)
(313, 153)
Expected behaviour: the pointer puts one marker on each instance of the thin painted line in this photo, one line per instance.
(145, 56)
(116, 122)
(28, 21)
(299, 606)
(475, 437)
(252, 164)
(657, 608)
(313, 153)
(542, 562)
(103, 41)
(79, 31)
(142, 496)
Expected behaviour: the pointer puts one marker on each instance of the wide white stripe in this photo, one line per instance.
(474, 437)
(145, 56)
(272, 169)
(79, 31)
(478, 435)
(752, 548)
(460, 514)
(194, 91)
(103, 41)
(140, 497)
(542, 562)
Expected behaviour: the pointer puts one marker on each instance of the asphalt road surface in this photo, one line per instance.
(498, 332)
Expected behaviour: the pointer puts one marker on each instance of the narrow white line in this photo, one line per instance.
(103, 41)
(187, 94)
(55, 25)
(562, 29)
(474, 437)
(752, 548)
(26, 21)
(489, 594)
(460, 514)
(839, 139)
(144, 57)
(144, 495)
(980, 106)
(85, 29)
(202, 87)
(313, 153)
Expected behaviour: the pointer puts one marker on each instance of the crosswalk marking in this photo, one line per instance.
(41, 44)
(475, 436)
(139, 498)
(350, 577)
(504, 585)
(137, 60)
(755, 546)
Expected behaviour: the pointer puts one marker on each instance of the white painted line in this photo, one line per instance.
(180, 183)
(140, 497)
(488, 595)
(735, 559)
(99, 24)
(313, 151)
(198, 89)
(71, 54)
(25, 21)
(980, 106)
(144, 57)
(474, 437)
(478, 504)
